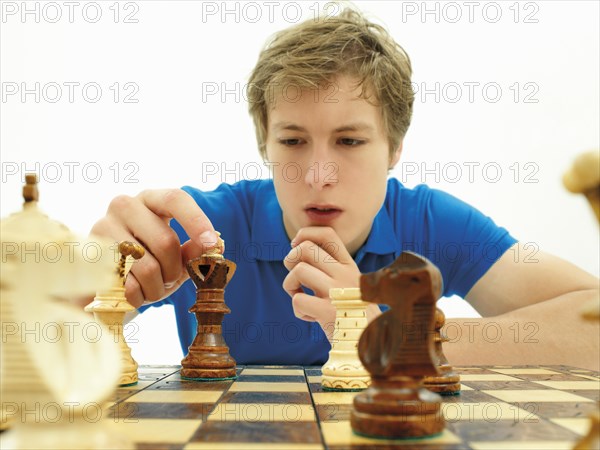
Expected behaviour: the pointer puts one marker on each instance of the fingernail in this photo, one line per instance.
(208, 238)
(293, 243)
(169, 285)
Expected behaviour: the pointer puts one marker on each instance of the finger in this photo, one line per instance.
(147, 271)
(327, 239)
(128, 217)
(179, 205)
(312, 254)
(133, 291)
(308, 276)
(311, 308)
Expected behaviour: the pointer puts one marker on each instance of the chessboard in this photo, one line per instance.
(285, 407)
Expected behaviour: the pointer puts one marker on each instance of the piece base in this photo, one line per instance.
(332, 389)
(386, 438)
(209, 379)
(448, 394)
(128, 384)
(208, 373)
(443, 388)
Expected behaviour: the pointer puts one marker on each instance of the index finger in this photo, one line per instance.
(179, 205)
(327, 239)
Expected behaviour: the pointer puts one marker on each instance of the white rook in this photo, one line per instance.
(343, 370)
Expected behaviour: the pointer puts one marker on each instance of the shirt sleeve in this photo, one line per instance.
(462, 241)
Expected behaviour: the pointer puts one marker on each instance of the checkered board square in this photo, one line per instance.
(277, 407)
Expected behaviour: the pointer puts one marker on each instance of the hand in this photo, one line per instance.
(318, 261)
(145, 219)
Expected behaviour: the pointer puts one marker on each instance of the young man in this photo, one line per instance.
(331, 100)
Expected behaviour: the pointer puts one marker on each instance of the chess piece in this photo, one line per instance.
(584, 178)
(343, 370)
(58, 367)
(208, 357)
(397, 350)
(447, 382)
(110, 306)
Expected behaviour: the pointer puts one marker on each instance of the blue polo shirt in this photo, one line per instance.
(262, 329)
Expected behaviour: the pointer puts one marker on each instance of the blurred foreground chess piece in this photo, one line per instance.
(397, 349)
(584, 178)
(343, 370)
(48, 363)
(448, 381)
(110, 306)
(208, 358)
(591, 441)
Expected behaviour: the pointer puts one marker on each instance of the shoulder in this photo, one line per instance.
(422, 201)
(458, 238)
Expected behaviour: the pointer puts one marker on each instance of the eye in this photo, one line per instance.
(349, 142)
(290, 142)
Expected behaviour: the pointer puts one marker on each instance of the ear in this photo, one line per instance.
(396, 156)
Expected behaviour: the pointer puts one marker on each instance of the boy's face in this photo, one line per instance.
(330, 160)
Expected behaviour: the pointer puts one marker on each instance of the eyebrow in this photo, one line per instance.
(357, 126)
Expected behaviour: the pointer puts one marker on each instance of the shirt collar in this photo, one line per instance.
(268, 233)
(272, 243)
(382, 239)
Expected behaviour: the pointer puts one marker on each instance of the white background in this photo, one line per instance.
(534, 106)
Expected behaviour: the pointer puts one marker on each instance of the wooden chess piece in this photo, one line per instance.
(110, 306)
(397, 350)
(343, 370)
(448, 381)
(56, 377)
(208, 358)
(584, 178)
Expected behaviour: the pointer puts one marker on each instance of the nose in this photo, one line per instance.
(322, 171)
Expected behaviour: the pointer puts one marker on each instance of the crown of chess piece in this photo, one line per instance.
(110, 306)
(397, 349)
(208, 357)
(447, 382)
(61, 368)
(343, 370)
(584, 178)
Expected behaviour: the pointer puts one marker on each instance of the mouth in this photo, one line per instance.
(322, 214)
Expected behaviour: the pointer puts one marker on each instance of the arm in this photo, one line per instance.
(532, 315)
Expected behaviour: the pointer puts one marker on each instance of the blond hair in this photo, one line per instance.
(313, 53)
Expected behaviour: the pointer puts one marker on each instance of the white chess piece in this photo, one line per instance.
(343, 370)
(111, 305)
(58, 366)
